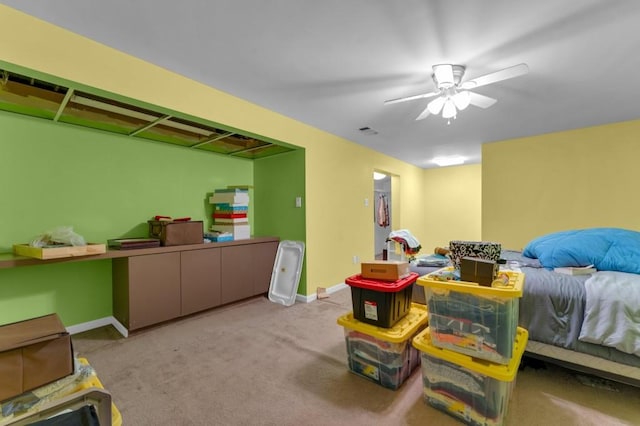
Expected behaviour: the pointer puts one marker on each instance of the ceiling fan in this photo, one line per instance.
(453, 93)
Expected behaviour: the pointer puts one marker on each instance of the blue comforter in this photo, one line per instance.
(608, 249)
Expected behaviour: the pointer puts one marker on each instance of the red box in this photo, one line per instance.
(381, 303)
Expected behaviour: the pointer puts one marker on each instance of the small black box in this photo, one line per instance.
(476, 270)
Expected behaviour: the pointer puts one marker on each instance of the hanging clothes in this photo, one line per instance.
(383, 211)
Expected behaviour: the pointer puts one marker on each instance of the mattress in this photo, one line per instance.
(552, 310)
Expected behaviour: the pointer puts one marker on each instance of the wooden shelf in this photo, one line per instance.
(10, 260)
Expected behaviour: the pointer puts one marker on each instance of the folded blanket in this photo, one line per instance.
(612, 311)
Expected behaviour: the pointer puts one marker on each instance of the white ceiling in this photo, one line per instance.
(332, 63)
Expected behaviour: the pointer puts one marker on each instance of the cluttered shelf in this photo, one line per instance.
(11, 260)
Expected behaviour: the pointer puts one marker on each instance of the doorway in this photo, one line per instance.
(381, 211)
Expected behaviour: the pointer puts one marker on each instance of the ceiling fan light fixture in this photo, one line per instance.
(435, 106)
(461, 99)
(449, 109)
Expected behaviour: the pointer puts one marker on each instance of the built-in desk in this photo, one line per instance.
(157, 284)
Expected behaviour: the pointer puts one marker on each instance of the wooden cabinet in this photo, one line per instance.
(150, 287)
(146, 289)
(246, 270)
(264, 256)
(237, 274)
(200, 280)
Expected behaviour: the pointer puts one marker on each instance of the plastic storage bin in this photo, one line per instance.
(381, 303)
(384, 355)
(472, 319)
(472, 390)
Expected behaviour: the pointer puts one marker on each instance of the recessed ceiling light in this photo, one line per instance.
(378, 176)
(452, 160)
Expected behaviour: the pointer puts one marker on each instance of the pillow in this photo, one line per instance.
(608, 249)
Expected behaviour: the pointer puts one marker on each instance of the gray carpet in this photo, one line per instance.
(258, 363)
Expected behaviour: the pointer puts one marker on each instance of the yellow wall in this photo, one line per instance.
(566, 180)
(453, 204)
(338, 172)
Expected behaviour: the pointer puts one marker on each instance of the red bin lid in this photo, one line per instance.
(382, 286)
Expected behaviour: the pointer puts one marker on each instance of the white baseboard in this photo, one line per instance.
(310, 298)
(121, 328)
(101, 322)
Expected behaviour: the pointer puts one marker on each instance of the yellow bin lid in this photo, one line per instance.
(504, 373)
(511, 289)
(400, 332)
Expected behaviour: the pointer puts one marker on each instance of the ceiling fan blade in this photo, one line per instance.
(411, 98)
(424, 114)
(494, 77)
(481, 101)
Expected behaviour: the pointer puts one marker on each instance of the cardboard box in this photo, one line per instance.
(477, 270)
(177, 233)
(33, 353)
(386, 270)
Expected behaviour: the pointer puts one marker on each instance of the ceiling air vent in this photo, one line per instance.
(368, 131)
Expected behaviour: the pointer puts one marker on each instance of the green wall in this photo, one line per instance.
(105, 186)
(278, 181)
(78, 292)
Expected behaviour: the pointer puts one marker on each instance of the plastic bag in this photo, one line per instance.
(62, 235)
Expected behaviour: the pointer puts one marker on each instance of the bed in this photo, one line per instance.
(588, 323)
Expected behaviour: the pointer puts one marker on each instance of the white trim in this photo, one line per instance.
(337, 287)
(306, 299)
(310, 298)
(121, 328)
(86, 326)
(101, 322)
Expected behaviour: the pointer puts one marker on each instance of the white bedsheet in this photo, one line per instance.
(612, 311)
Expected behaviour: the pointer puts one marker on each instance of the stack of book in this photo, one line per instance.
(133, 243)
(230, 209)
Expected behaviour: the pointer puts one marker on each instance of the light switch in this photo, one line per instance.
(298, 201)
(366, 202)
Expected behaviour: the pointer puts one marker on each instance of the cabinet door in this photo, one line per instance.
(237, 273)
(154, 289)
(200, 271)
(263, 255)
